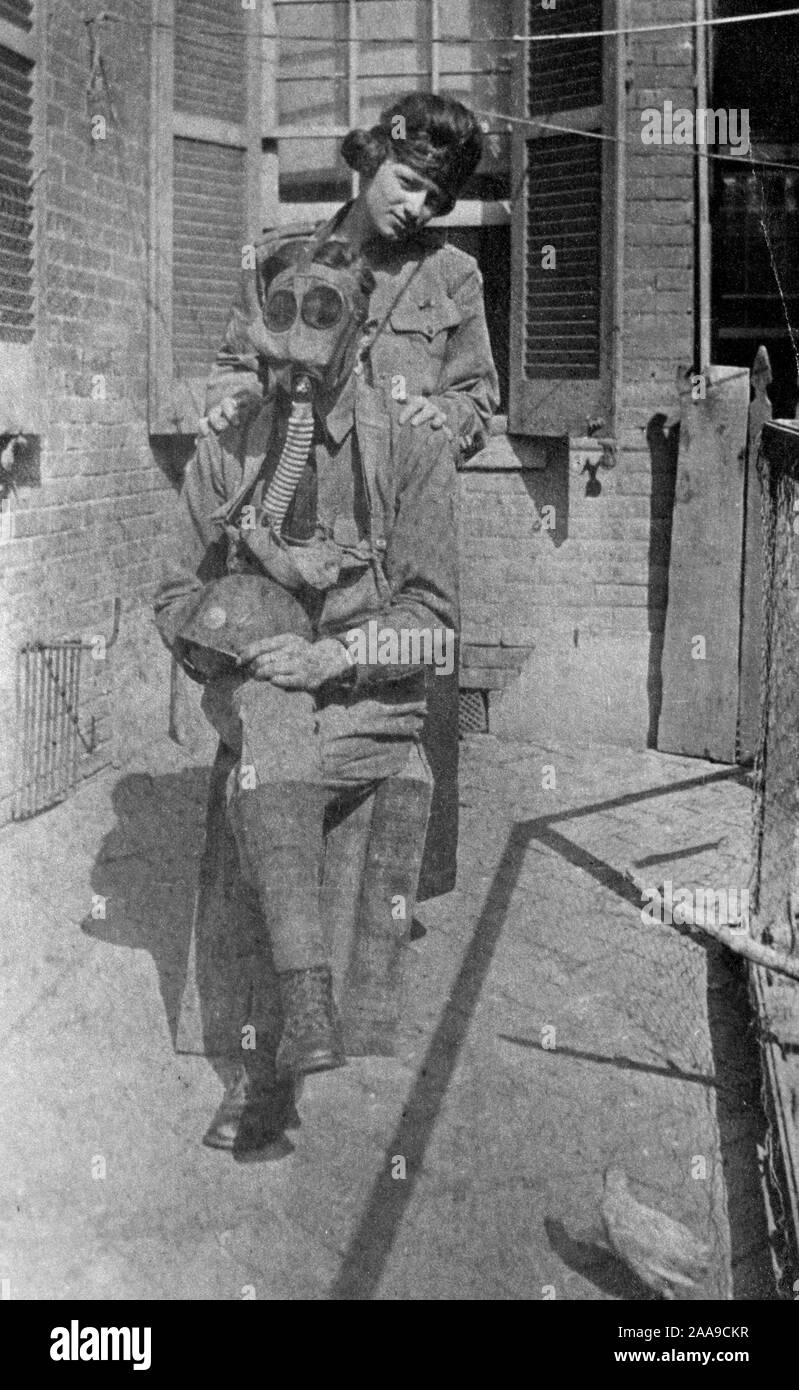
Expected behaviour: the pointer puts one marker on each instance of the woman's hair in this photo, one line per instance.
(437, 136)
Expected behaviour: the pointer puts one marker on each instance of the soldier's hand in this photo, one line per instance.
(418, 410)
(224, 414)
(293, 663)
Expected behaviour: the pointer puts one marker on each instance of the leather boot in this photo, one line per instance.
(311, 1040)
(222, 1131)
(253, 1112)
(268, 1112)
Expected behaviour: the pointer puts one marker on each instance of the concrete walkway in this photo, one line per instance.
(548, 1032)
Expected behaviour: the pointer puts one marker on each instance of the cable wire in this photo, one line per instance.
(562, 36)
(504, 117)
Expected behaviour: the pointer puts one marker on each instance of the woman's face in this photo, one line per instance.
(398, 200)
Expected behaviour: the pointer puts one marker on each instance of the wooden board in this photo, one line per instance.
(700, 683)
(752, 593)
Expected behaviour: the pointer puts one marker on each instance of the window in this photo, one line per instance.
(340, 61)
(566, 225)
(19, 128)
(206, 194)
(755, 281)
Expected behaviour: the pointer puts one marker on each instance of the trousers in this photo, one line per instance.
(298, 766)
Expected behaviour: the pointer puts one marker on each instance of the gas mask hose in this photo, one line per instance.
(295, 454)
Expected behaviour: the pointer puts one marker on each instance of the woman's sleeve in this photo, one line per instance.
(468, 390)
(235, 372)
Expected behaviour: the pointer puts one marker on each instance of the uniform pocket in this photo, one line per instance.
(428, 317)
(352, 602)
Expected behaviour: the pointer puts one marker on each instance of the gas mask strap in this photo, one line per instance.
(403, 289)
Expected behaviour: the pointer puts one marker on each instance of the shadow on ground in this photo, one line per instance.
(146, 870)
(595, 1262)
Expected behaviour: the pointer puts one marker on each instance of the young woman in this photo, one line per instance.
(428, 296)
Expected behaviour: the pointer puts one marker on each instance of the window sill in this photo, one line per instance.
(508, 453)
(505, 452)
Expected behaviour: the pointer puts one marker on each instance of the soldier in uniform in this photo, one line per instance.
(353, 492)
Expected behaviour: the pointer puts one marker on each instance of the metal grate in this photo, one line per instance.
(472, 712)
(49, 737)
(208, 234)
(16, 198)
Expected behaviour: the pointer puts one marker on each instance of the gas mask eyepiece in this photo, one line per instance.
(322, 307)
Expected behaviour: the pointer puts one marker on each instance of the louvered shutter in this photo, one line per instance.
(20, 125)
(561, 339)
(206, 170)
(16, 198)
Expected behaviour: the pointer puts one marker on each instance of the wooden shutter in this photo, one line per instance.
(205, 191)
(16, 197)
(562, 340)
(21, 110)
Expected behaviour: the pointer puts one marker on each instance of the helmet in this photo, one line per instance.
(230, 614)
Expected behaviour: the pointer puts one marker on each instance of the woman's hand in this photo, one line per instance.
(293, 663)
(418, 410)
(226, 413)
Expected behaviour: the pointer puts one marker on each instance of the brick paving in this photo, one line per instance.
(548, 1032)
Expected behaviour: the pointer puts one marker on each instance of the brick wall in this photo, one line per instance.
(578, 610)
(90, 528)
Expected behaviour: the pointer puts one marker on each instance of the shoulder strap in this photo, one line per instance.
(373, 431)
(405, 285)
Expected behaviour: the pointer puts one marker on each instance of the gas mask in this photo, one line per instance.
(314, 302)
